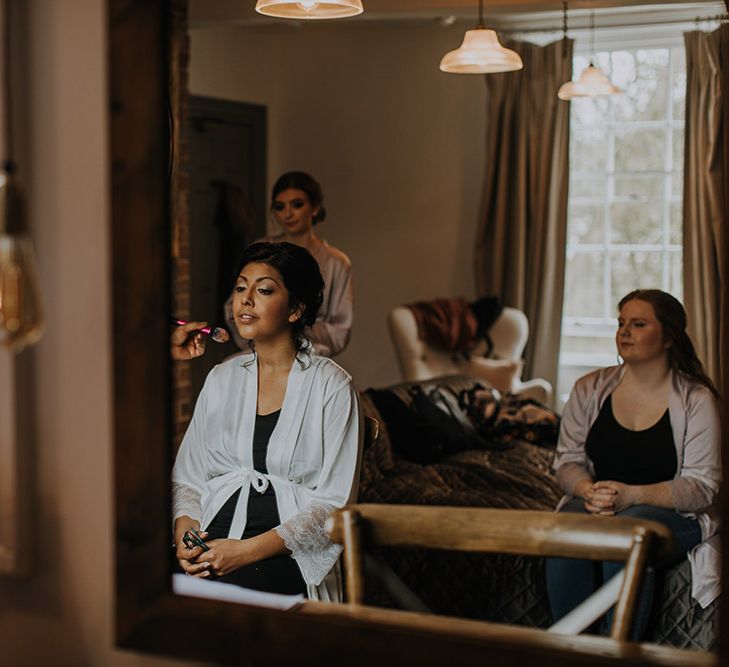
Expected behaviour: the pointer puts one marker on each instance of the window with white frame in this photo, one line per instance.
(624, 227)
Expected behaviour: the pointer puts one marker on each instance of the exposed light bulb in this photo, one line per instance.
(308, 5)
(21, 315)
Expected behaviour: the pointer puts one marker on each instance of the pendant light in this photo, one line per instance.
(480, 53)
(310, 9)
(593, 82)
(21, 318)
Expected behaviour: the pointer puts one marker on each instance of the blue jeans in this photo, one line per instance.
(570, 580)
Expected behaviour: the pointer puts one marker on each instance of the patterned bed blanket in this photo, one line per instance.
(495, 587)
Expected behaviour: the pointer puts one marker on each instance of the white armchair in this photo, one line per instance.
(509, 334)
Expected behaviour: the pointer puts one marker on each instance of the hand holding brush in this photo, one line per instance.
(189, 338)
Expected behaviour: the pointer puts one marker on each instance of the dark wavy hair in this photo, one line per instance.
(671, 314)
(300, 180)
(301, 277)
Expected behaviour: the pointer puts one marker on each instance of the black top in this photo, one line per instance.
(276, 575)
(631, 457)
(262, 512)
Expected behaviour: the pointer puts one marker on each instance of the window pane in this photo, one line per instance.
(636, 223)
(675, 275)
(639, 150)
(676, 182)
(591, 344)
(652, 62)
(588, 149)
(677, 133)
(583, 277)
(634, 270)
(678, 58)
(620, 68)
(585, 224)
(604, 61)
(675, 228)
(622, 150)
(587, 187)
(588, 111)
(678, 83)
(645, 85)
(638, 186)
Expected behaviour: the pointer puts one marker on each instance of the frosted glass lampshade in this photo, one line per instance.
(592, 83)
(310, 9)
(480, 53)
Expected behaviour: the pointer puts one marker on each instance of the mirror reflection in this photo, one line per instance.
(398, 286)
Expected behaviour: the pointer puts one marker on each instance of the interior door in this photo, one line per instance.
(227, 144)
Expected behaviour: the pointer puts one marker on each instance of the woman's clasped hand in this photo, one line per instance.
(189, 557)
(221, 557)
(607, 498)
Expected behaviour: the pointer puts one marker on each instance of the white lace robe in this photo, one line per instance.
(313, 458)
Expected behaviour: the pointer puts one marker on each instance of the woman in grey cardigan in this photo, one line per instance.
(642, 439)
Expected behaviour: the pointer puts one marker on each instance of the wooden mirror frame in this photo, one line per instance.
(149, 617)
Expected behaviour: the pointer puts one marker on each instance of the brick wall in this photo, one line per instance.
(179, 206)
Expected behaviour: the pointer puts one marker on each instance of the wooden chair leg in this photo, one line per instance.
(353, 564)
(634, 571)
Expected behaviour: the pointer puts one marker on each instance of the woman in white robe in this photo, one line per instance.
(314, 452)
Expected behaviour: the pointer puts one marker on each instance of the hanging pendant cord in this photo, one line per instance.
(593, 55)
(481, 24)
(564, 28)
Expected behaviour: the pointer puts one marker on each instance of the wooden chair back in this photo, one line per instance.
(502, 531)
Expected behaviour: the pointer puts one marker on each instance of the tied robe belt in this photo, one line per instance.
(234, 479)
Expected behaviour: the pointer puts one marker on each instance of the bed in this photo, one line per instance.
(496, 588)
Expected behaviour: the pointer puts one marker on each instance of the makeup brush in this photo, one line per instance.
(218, 334)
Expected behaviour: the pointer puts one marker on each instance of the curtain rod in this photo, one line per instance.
(698, 19)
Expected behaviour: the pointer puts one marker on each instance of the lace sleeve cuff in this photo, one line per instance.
(185, 502)
(305, 536)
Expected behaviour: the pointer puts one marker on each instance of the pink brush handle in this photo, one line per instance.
(205, 330)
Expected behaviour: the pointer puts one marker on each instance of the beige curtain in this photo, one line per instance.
(705, 202)
(520, 246)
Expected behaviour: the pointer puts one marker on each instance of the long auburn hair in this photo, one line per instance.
(671, 314)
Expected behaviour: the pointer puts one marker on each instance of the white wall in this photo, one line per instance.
(63, 613)
(396, 144)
